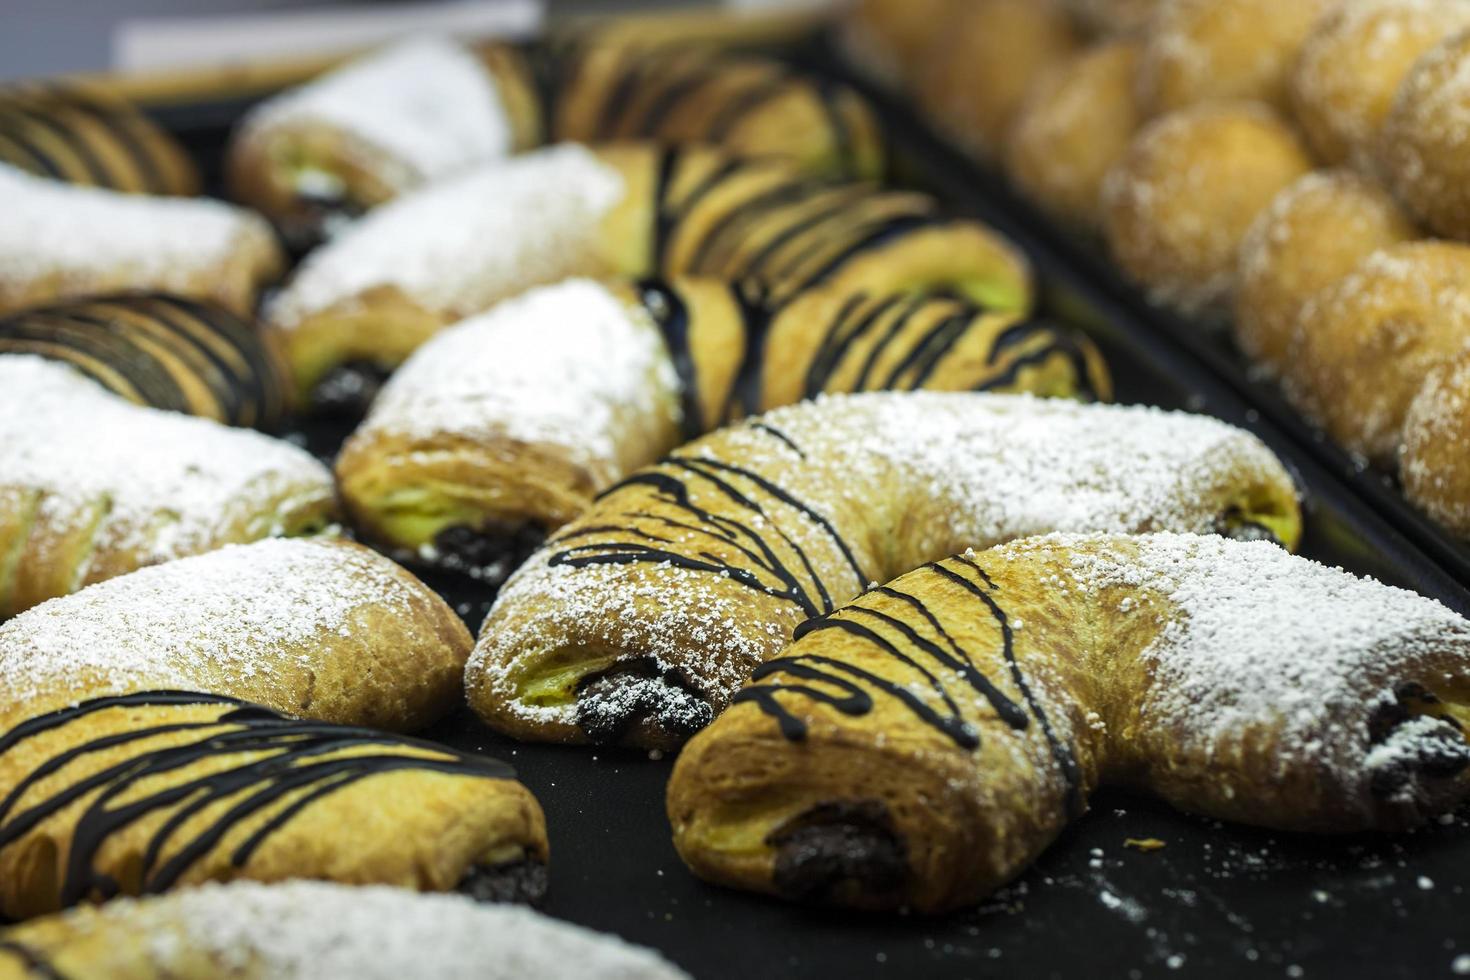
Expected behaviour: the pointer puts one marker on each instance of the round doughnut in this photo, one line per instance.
(979, 69)
(1112, 18)
(1432, 460)
(1176, 206)
(1074, 125)
(1222, 49)
(1424, 144)
(1352, 64)
(1313, 233)
(1362, 350)
(888, 37)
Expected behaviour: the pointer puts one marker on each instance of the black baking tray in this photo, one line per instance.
(926, 156)
(1217, 901)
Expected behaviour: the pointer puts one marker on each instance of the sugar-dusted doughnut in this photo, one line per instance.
(639, 620)
(1433, 464)
(1424, 143)
(922, 745)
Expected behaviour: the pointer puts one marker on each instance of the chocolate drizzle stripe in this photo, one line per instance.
(894, 331)
(288, 762)
(671, 313)
(35, 964)
(779, 436)
(736, 108)
(839, 337)
(732, 229)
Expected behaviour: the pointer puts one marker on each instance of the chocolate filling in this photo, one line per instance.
(488, 553)
(1232, 524)
(1444, 756)
(635, 691)
(839, 849)
(522, 882)
(348, 389)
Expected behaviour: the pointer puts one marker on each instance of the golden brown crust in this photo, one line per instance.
(1424, 142)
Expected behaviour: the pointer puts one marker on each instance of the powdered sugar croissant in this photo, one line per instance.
(190, 723)
(639, 620)
(920, 746)
(506, 425)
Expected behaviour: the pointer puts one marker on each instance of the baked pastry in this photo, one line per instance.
(890, 38)
(1075, 123)
(1114, 18)
(746, 104)
(1177, 205)
(1311, 235)
(316, 627)
(160, 350)
(1201, 50)
(1352, 64)
(361, 304)
(83, 135)
(59, 241)
(982, 62)
(1364, 347)
(919, 747)
(132, 762)
(1432, 461)
(92, 486)
(382, 124)
(639, 620)
(315, 931)
(506, 426)
(1422, 144)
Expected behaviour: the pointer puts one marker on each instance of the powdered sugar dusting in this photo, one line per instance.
(464, 243)
(81, 237)
(927, 473)
(417, 110)
(569, 366)
(1256, 639)
(206, 623)
(304, 929)
(160, 484)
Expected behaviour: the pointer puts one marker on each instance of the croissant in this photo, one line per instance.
(919, 747)
(92, 486)
(144, 745)
(506, 425)
(160, 350)
(84, 135)
(639, 620)
(746, 104)
(59, 241)
(360, 305)
(382, 124)
(308, 930)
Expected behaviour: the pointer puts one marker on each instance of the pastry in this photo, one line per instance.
(59, 241)
(160, 350)
(83, 135)
(318, 628)
(1114, 18)
(314, 931)
(1176, 206)
(1432, 460)
(921, 746)
(1202, 50)
(507, 425)
(1352, 65)
(1364, 347)
(979, 67)
(1075, 124)
(134, 758)
(361, 304)
(1311, 235)
(745, 104)
(638, 621)
(890, 38)
(384, 123)
(92, 486)
(1421, 146)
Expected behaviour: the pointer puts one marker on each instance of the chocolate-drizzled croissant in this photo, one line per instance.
(639, 620)
(182, 724)
(160, 350)
(746, 104)
(505, 426)
(309, 930)
(919, 747)
(83, 135)
(378, 126)
(92, 486)
(361, 304)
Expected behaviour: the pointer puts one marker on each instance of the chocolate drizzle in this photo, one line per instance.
(280, 761)
(34, 963)
(849, 688)
(672, 316)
